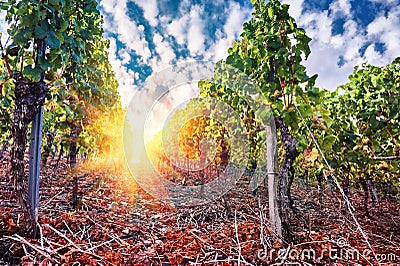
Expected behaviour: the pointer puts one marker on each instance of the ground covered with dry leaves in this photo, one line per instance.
(117, 223)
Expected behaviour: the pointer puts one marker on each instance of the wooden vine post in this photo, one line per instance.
(272, 174)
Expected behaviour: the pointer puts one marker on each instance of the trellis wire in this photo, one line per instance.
(346, 199)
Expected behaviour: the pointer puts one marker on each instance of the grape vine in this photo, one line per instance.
(55, 50)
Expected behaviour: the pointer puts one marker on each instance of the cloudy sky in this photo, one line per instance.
(148, 35)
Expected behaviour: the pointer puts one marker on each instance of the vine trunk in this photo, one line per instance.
(28, 96)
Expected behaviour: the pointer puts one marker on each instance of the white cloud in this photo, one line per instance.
(295, 8)
(189, 29)
(373, 56)
(237, 16)
(340, 7)
(230, 31)
(166, 54)
(109, 5)
(129, 33)
(323, 61)
(354, 39)
(220, 50)
(125, 76)
(124, 55)
(195, 34)
(386, 2)
(387, 31)
(150, 10)
(327, 50)
(318, 25)
(3, 28)
(178, 29)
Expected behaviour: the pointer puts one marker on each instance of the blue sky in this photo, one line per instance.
(149, 35)
(146, 36)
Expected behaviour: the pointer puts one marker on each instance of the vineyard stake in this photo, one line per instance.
(34, 162)
(35, 148)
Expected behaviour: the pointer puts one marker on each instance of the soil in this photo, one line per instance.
(115, 222)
